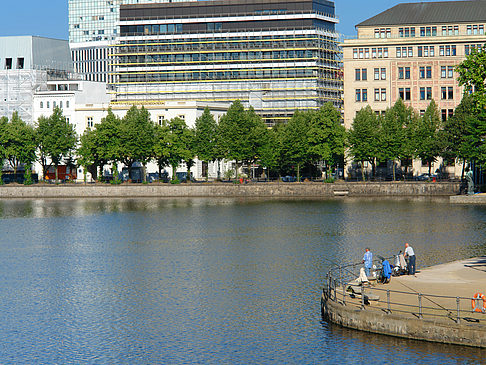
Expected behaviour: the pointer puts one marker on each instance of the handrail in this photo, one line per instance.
(340, 275)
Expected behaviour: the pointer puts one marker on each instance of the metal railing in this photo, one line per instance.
(418, 304)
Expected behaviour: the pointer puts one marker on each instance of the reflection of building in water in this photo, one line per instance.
(276, 56)
(409, 52)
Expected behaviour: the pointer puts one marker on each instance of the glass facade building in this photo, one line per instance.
(277, 56)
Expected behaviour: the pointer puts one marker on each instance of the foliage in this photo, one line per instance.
(19, 142)
(28, 175)
(56, 139)
(205, 137)
(363, 137)
(161, 149)
(472, 75)
(428, 144)
(179, 141)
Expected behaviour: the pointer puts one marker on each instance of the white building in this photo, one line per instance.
(86, 103)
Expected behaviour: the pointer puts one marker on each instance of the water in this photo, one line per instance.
(208, 280)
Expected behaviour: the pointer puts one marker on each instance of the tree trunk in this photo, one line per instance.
(430, 167)
(362, 170)
(373, 168)
(144, 178)
(174, 170)
(463, 167)
(236, 170)
(57, 177)
(298, 172)
(393, 170)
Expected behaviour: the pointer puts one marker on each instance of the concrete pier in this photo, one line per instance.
(434, 305)
(468, 199)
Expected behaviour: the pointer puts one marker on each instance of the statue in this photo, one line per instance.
(470, 181)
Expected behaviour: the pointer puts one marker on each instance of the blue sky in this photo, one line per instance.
(48, 18)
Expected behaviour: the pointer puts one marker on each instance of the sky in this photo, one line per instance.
(48, 18)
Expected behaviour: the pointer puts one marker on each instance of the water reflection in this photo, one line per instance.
(207, 280)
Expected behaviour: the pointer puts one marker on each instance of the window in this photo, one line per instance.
(422, 72)
(383, 94)
(432, 51)
(419, 51)
(357, 76)
(48, 105)
(426, 51)
(67, 103)
(441, 50)
(481, 29)
(400, 73)
(364, 94)
(456, 30)
(377, 33)
(404, 93)
(469, 29)
(401, 93)
(399, 52)
(161, 119)
(453, 49)
(182, 117)
(412, 32)
(410, 52)
(428, 72)
(434, 31)
(377, 73)
(407, 73)
(385, 52)
(443, 72)
(367, 53)
(443, 93)
(89, 122)
(383, 73)
(388, 32)
(422, 93)
(380, 52)
(355, 53)
(466, 49)
(404, 51)
(450, 93)
(422, 31)
(361, 53)
(364, 74)
(400, 32)
(448, 50)
(373, 53)
(377, 94)
(429, 93)
(450, 72)
(358, 95)
(475, 29)
(444, 114)
(428, 31)
(8, 63)
(444, 31)
(54, 104)
(41, 104)
(20, 63)
(60, 104)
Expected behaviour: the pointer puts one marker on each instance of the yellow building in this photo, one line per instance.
(409, 51)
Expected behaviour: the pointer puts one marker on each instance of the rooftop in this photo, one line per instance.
(430, 13)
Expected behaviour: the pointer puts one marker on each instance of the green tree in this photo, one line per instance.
(428, 144)
(89, 152)
(56, 138)
(270, 155)
(161, 148)
(326, 135)
(363, 138)
(295, 141)
(456, 132)
(257, 133)
(137, 138)
(19, 143)
(178, 144)
(205, 137)
(472, 75)
(3, 128)
(394, 134)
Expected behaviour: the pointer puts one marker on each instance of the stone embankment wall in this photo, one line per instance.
(439, 330)
(315, 190)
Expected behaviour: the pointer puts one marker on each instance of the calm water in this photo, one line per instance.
(208, 281)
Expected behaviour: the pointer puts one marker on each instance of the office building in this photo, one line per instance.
(276, 56)
(409, 52)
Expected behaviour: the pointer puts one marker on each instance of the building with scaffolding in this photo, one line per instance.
(27, 63)
(276, 56)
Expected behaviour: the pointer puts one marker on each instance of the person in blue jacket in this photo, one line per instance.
(368, 261)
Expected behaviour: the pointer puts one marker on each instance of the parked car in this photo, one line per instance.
(425, 177)
(289, 178)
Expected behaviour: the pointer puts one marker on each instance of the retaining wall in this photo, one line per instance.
(443, 331)
(230, 190)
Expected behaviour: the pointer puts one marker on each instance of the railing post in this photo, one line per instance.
(362, 297)
(420, 304)
(342, 285)
(458, 302)
(388, 300)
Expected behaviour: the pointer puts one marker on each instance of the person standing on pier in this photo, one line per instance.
(410, 254)
(368, 261)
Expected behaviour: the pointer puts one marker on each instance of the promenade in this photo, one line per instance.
(434, 305)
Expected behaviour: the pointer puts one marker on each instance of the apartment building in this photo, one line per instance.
(409, 52)
(276, 56)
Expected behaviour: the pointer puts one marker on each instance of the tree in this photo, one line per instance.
(107, 141)
(89, 152)
(205, 135)
(363, 137)
(295, 141)
(472, 75)
(455, 132)
(257, 133)
(161, 149)
(3, 128)
(326, 135)
(56, 139)
(270, 155)
(19, 143)
(393, 138)
(137, 138)
(178, 144)
(428, 144)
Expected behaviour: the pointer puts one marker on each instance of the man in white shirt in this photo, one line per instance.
(411, 259)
